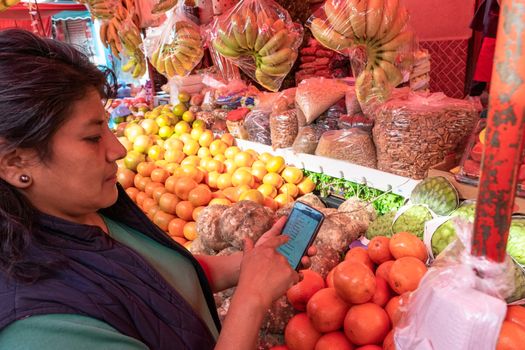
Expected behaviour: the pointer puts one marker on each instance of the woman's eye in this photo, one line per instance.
(94, 139)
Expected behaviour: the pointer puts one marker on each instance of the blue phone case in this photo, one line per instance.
(302, 227)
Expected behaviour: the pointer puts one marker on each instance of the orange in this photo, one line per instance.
(228, 139)
(270, 203)
(383, 292)
(366, 324)
(217, 147)
(224, 181)
(220, 201)
(125, 177)
(300, 334)
(152, 211)
(267, 190)
(132, 193)
(253, 152)
(204, 161)
(191, 160)
(162, 220)
(185, 138)
(405, 274)
(158, 192)
(378, 249)
(230, 166)
(326, 310)
(306, 186)
(204, 152)
(333, 341)
(175, 227)
(259, 164)
(140, 182)
(148, 204)
(215, 165)
(300, 293)
(292, 175)
(242, 177)
(388, 343)
(151, 186)
(200, 196)
(180, 240)
(289, 189)
(183, 186)
(141, 196)
(171, 167)
(354, 282)
(383, 270)
(190, 231)
(273, 179)
(191, 147)
(231, 151)
(170, 183)
(252, 195)
(145, 168)
(168, 202)
(259, 173)
(206, 138)
(196, 212)
(275, 164)
(173, 143)
(511, 336)
(184, 210)
(360, 254)
(218, 194)
(516, 314)
(174, 155)
(243, 159)
(231, 193)
(220, 157)
(393, 310)
(283, 199)
(406, 244)
(265, 157)
(211, 179)
(330, 278)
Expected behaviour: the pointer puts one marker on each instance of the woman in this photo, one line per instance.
(80, 265)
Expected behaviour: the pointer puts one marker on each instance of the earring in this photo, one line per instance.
(25, 178)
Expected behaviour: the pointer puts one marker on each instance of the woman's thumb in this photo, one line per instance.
(247, 245)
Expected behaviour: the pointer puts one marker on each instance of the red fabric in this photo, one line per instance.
(485, 60)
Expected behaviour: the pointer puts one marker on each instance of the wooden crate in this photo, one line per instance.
(465, 191)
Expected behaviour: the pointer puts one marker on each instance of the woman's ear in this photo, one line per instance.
(14, 168)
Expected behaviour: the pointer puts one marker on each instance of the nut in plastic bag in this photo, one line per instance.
(259, 37)
(179, 49)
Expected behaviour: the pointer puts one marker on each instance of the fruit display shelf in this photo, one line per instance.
(380, 180)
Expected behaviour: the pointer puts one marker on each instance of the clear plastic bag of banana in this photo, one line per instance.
(179, 48)
(259, 37)
(375, 35)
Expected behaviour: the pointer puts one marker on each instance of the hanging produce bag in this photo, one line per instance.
(179, 49)
(375, 35)
(260, 38)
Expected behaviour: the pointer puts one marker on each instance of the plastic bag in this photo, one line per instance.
(260, 38)
(257, 125)
(146, 15)
(235, 123)
(283, 128)
(307, 140)
(351, 145)
(460, 296)
(355, 121)
(375, 36)
(316, 95)
(414, 133)
(179, 49)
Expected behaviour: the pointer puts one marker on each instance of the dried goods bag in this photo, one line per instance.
(259, 37)
(351, 145)
(283, 128)
(414, 133)
(314, 96)
(307, 140)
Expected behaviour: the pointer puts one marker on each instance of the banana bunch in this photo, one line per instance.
(136, 64)
(265, 38)
(379, 26)
(180, 55)
(163, 6)
(101, 9)
(5, 4)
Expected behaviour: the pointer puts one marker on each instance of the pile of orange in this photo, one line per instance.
(359, 303)
(182, 174)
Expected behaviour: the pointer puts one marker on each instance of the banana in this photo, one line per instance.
(389, 56)
(187, 62)
(190, 34)
(379, 75)
(363, 86)
(179, 68)
(159, 64)
(130, 64)
(338, 15)
(393, 74)
(281, 56)
(169, 68)
(397, 25)
(357, 10)
(184, 24)
(154, 57)
(278, 25)
(374, 16)
(194, 52)
(136, 71)
(225, 50)
(163, 6)
(228, 40)
(275, 43)
(103, 33)
(404, 38)
(250, 29)
(237, 28)
(264, 34)
(389, 16)
(277, 70)
(328, 37)
(265, 80)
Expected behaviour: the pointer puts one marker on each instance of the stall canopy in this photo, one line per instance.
(18, 16)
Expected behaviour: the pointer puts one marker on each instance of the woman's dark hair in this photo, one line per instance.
(40, 80)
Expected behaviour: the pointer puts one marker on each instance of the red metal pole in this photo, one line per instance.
(504, 135)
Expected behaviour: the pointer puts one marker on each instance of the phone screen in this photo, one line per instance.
(302, 227)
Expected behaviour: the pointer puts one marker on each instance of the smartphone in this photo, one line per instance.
(302, 226)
